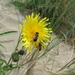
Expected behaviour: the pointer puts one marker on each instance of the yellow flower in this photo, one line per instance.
(34, 31)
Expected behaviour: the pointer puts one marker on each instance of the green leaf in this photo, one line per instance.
(8, 32)
(3, 61)
(68, 64)
(2, 73)
(2, 46)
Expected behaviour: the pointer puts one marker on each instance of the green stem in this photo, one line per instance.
(9, 61)
(15, 47)
(17, 42)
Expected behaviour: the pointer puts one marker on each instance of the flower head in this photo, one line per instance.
(34, 31)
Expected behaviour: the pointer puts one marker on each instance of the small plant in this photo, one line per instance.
(36, 34)
(35, 38)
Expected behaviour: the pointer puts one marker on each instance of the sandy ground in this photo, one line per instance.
(9, 20)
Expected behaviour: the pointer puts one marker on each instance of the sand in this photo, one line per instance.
(9, 20)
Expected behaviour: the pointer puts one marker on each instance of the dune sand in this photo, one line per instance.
(9, 20)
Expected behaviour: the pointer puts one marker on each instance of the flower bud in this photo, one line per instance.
(21, 52)
(10, 65)
(15, 56)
